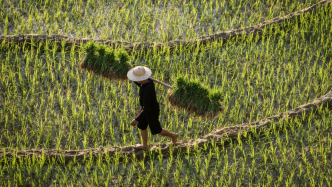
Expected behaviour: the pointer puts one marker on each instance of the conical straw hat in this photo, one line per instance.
(139, 73)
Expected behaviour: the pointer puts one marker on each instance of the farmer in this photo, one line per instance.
(149, 114)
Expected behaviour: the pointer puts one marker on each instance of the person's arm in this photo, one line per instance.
(146, 106)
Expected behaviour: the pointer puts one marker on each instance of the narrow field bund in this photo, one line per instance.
(64, 126)
(228, 134)
(61, 40)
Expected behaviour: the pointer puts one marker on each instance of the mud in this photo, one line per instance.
(65, 41)
(227, 134)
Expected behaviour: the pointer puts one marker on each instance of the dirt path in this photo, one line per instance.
(224, 36)
(229, 132)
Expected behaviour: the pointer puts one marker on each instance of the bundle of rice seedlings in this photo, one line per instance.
(105, 61)
(193, 96)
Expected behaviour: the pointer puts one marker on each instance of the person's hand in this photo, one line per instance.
(133, 122)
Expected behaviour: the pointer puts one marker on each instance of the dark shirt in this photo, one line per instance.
(147, 100)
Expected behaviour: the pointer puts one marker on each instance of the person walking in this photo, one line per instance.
(149, 113)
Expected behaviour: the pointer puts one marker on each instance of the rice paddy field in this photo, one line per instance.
(48, 102)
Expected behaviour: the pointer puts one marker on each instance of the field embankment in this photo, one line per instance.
(229, 133)
(65, 41)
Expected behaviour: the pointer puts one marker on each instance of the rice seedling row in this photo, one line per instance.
(138, 20)
(297, 155)
(276, 23)
(47, 100)
(227, 135)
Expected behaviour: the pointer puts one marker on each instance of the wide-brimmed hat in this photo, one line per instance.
(139, 73)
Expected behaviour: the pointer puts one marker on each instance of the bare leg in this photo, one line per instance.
(144, 134)
(174, 136)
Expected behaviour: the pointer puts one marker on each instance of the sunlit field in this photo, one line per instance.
(48, 102)
(138, 20)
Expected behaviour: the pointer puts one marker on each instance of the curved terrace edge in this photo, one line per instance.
(231, 132)
(224, 36)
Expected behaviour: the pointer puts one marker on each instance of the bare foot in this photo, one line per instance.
(141, 147)
(175, 138)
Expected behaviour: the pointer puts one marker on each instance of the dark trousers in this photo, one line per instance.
(151, 120)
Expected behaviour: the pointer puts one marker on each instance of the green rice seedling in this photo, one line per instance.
(208, 99)
(240, 81)
(192, 96)
(105, 61)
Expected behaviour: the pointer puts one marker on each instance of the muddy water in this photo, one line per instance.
(182, 24)
(188, 126)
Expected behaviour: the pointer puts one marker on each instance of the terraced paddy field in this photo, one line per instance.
(50, 110)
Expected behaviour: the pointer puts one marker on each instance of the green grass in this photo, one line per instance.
(137, 20)
(193, 96)
(298, 154)
(47, 102)
(105, 61)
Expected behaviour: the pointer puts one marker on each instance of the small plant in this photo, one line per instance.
(105, 61)
(190, 94)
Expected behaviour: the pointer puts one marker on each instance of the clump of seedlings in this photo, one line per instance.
(104, 61)
(193, 96)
